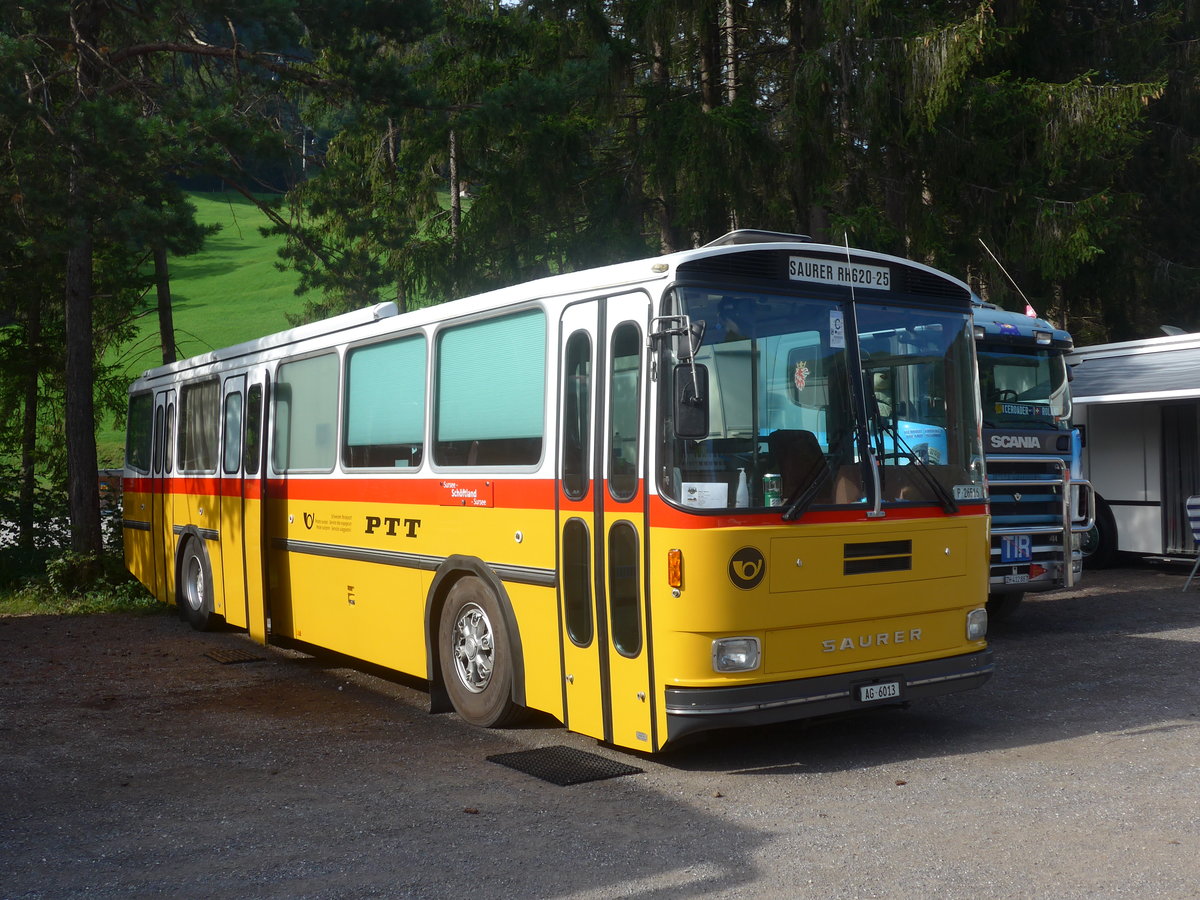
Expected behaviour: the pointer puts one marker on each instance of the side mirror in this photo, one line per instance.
(691, 401)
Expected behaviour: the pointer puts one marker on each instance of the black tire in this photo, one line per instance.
(194, 589)
(1099, 545)
(475, 656)
(1002, 607)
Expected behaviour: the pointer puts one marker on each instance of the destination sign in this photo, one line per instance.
(842, 274)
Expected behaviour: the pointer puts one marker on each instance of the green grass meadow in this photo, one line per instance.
(229, 292)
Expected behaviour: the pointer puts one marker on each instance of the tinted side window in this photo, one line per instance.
(624, 409)
(577, 412)
(233, 433)
(385, 404)
(139, 430)
(491, 392)
(306, 399)
(252, 451)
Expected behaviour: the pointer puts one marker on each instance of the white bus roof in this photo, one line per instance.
(1159, 368)
(617, 277)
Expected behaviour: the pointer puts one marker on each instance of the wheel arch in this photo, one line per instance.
(208, 618)
(452, 569)
(184, 535)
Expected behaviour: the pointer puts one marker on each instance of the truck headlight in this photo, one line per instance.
(738, 654)
(977, 624)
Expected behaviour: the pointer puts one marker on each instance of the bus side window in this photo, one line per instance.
(385, 404)
(624, 595)
(198, 426)
(139, 432)
(252, 451)
(624, 409)
(306, 402)
(491, 392)
(577, 414)
(169, 441)
(233, 433)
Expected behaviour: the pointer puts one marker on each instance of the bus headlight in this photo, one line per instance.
(738, 654)
(977, 624)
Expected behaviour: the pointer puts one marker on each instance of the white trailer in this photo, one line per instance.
(1137, 404)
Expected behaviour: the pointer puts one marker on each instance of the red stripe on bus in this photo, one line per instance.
(663, 515)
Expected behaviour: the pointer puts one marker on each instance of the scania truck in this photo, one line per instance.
(1040, 505)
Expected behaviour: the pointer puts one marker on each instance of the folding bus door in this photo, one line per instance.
(162, 512)
(232, 494)
(254, 505)
(601, 521)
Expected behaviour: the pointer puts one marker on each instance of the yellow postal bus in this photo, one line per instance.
(738, 484)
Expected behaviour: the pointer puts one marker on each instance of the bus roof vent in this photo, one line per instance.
(757, 236)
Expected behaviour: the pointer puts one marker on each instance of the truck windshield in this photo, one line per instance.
(1024, 387)
(788, 419)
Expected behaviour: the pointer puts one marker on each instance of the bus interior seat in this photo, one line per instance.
(798, 456)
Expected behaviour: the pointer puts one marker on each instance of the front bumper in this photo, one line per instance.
(692, 710)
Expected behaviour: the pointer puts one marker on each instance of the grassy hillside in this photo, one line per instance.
(229, 292)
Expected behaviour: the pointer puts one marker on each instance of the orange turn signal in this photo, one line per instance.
(675, 568)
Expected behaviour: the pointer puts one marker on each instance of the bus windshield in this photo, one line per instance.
(1024, 387)
(787, 419)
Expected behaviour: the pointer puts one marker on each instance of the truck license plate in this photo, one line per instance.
(887, 690)
(1016, 548)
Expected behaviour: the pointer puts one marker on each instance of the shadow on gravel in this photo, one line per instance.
(1115, 655)
(134, 763)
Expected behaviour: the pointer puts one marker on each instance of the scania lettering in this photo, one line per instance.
(641, 499)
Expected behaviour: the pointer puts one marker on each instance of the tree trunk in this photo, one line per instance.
(83, 479)
(28, 488)
(731, 59)
(166, 322)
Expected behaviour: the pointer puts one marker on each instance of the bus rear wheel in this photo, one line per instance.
(194, 591)
(475, 656)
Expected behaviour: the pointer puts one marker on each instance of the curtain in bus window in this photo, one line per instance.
(385, 404)
(139, 431)
(491, 392)
(306, 414)
(198, 427)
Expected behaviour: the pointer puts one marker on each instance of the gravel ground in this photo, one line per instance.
(132, 763)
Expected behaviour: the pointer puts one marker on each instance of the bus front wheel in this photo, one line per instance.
(475, 655)
(194, 592)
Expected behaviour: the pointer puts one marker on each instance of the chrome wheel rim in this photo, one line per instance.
(474, 648)
(193, 584)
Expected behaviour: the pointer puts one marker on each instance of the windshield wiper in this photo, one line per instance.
(802, 497)
(949, 504)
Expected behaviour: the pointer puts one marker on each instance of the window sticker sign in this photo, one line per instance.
(837, 329)
(842, 274)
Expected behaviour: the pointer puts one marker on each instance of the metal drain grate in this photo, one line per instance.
(563, 765)
(225, 656)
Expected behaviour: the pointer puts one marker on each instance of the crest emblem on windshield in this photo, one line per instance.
(800, 375)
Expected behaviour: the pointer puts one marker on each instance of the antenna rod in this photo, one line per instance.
(1012, 280)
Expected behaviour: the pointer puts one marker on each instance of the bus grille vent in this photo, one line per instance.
(758, 264)
(926, 285)
(877, 556)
